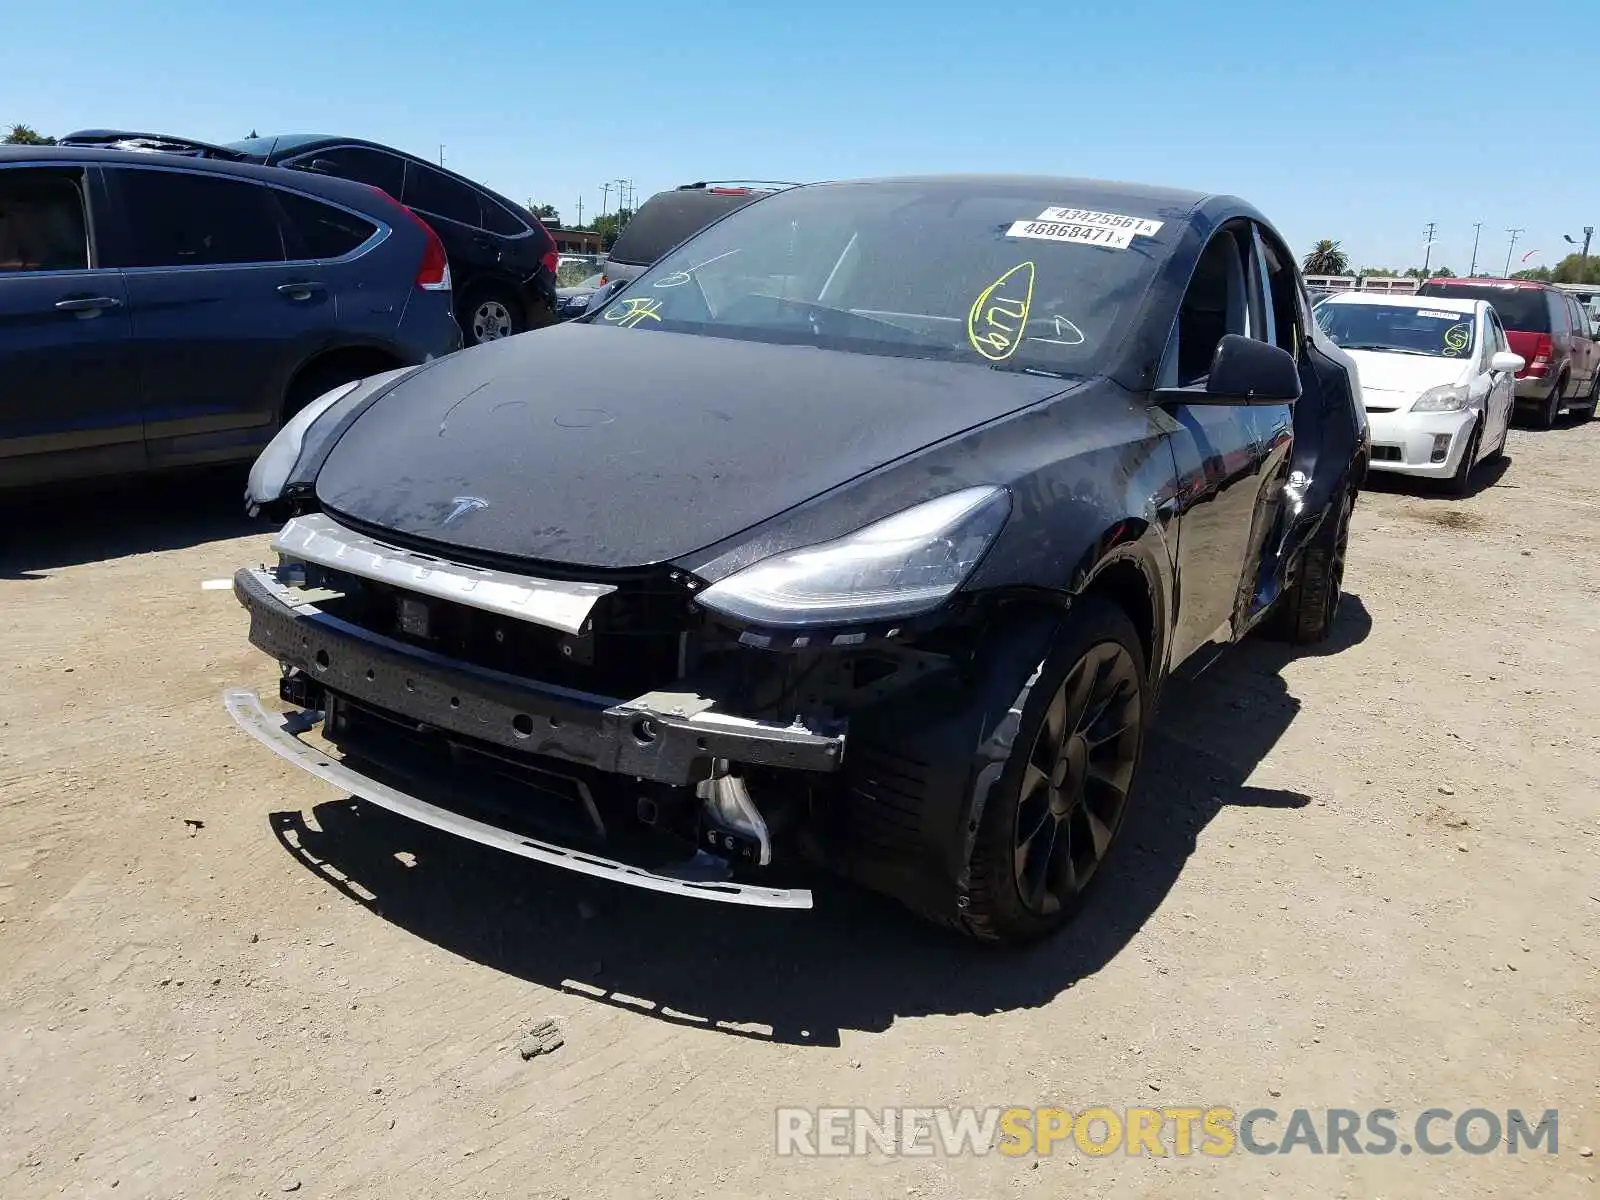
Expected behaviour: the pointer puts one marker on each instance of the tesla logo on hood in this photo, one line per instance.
(464, 505)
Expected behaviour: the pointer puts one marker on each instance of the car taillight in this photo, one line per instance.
(1542, 348)
(433, 273)
(551, 262)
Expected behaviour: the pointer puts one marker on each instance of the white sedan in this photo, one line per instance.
(1437, 379)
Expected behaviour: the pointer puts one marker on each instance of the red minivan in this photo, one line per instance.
(1550, 330)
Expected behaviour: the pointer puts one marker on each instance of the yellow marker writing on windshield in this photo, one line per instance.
(1456, 338)
(999, 315)
(631, 311)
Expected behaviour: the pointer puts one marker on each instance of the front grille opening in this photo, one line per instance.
(638, 638)
(1386, 454)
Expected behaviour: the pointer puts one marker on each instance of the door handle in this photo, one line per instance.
(83, 304)
(300, 291)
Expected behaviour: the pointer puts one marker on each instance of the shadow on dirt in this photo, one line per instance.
(63, 526)
(856, 961)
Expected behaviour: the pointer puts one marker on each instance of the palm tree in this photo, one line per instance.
(1326, 259)
(26, 135)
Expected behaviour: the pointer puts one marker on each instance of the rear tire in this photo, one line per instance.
(489, 313)
(1551, 409)
(1305, 613)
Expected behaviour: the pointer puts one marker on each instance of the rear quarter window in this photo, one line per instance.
(322, 230)
(436, 194)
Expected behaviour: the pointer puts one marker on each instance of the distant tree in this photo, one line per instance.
(26, 135)
(1326, 258)
(1444, 273)
(547, 212)
(1541, 274)
(1573, 269)
(610, 225)
(254, 134)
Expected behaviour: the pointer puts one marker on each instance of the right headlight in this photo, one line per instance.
(270, 472)
(1449, 397)
(901, 566)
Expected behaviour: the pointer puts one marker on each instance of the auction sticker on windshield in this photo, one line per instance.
(1142, 226)
(1112, 230)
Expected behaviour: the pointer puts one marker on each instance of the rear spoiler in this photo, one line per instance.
(153, 143)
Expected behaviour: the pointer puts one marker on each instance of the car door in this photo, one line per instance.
(1584, 350)
(222, 312)
(69, 395)
(1561, 341)
(1219, 450)
(1502, 400)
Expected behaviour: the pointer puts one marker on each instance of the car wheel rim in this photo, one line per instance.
(491, 320)
(1075, 783)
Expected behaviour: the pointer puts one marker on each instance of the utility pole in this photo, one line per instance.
(1515, 234)
(1427, 248)
(441, 154)
(605, 198)
(1477, 232)
(580, 212)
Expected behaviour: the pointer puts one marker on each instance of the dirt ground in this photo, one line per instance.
(1364, 877)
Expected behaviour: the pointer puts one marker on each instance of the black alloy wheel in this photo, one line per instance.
(1077, 778)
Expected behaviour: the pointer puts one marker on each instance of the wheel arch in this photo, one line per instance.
(331, 363)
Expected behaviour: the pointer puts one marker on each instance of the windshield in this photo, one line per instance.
(263, 147)
(1520, 308)
(975, 271)
(1403, 329)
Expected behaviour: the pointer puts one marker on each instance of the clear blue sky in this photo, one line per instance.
(1360, 120)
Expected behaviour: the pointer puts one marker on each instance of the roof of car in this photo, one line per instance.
(1487, 281)
(1458, 304)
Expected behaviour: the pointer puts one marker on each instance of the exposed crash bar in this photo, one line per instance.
(554, 603)
(276, 732)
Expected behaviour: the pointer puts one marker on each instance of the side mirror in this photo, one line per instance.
(1508, 362)
(1243, 371)
(603, 295)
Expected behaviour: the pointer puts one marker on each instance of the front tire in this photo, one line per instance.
(1460, 484)
(1305, 613)
(1054, 815)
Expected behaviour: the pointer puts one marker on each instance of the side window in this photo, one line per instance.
(1500, 340)
(357, 163)
(498, 219)
(42, 225)
(182, 220)
(1560, 325)
(1580, 326)
(437, 195)
(1216, 304)
(1283, 294)
(323, 231)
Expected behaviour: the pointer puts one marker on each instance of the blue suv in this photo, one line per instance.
(159, 311)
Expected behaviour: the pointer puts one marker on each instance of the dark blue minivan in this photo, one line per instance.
(158, 311)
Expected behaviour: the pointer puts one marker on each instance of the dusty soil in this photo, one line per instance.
(1364, 877)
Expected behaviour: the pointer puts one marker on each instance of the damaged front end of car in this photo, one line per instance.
(647, 726)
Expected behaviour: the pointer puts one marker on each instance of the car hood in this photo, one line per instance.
(1410, 374)
(609, 448)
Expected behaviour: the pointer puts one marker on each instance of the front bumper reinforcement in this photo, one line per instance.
(278, 732)
(665, 737)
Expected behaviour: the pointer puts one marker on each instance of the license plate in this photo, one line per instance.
(413, 617)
